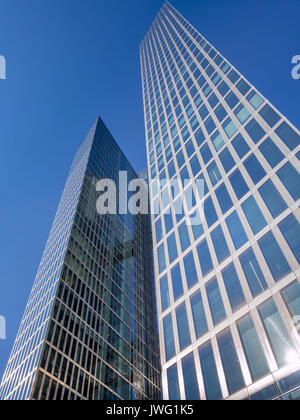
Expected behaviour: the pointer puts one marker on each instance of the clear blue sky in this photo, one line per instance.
(70, 60)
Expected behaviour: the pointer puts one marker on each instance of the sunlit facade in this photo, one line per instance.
(228, 291)
(89, 328)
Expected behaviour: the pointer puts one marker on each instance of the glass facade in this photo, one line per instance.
(229, 328)
(89, 328)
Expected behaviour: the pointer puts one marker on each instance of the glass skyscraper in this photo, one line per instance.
(228, 291)
(89, 328)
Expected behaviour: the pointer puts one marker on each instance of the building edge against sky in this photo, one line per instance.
(89, 329)
(228, 292)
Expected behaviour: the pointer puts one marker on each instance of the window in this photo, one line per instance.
(254, 216)
(242, 113)
(274, 257)
(233, 76)
(231, 100)
(209, 372)
(172, 247)
(291, 296)
(197, 227)
(224, 198)
(199, 136)
(164, 293)
(227, 160)
(190, 149)
(204, 258)
(238, 184)
(195, 165)
(215, 301)
(236, 230)
(168, 222)
(210, 125)
(206, 153)
(240, 145)
(210, 212)
(213, 100)
(177, 282)
(269, 115)
(169, 337)
(223, 88)
(272, 198)
(158, 230)
(220, 113)
(271, 152)
(255, 131)
(243, 87)
(161, 258)
(190, 378)
(183, 327)
(277, 334)
(255, 356)
(184, 236)
(174, 392)
(253, 273)
(233, 287)
(231, 363)
(214, 173)
(199, 317)
(290, 179)
(288, 135)
(190, 270)
(217, 140)
(255, 100)
(254, 169)
(220, 245)
(290, 229)
(229, 128)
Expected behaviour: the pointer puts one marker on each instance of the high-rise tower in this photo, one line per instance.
(228, 290)
(89, 328)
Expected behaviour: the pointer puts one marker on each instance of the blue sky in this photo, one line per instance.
(70, 60)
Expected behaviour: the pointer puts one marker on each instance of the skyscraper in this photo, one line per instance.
(89, 328)
(228, 290)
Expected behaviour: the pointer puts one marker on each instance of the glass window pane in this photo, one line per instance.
(253, 273)
(169, 337)
(272, 198)
(236, 230)
(158, 230)
(229, 128)
(190, 270)
(231, 364)
(209, 372)
(172, 247)
(274, 257)
(204, 258)
(161, 258)
(255, 100)
(290, 179)
(220, 244)
(183, 327)
(254, 169)
(164, 292)
(233, 287)
(218, 141)
(253, 214)
(214, 173)
(199, 317)
(238, 184)
(279, 339)
(271, 152)
(290, 229)
(242, 113)
(206, 153)
(227, 160)
(269, 115)
(168, 222)
(177, 282)
(255, 131)
(174, 393)
(291, 296)
(252, 347)
(190, 378)
(224, 198)
(288, 135)
(210, 212)
(184, 236)
(215, 301)
(240, 145)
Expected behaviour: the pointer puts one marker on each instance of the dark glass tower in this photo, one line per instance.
(89, 328)
(228, 290)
